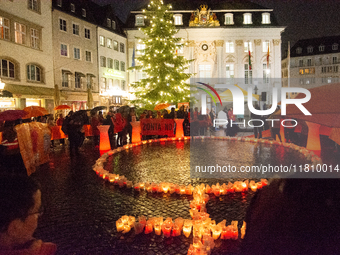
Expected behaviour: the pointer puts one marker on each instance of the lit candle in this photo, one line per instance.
(138, 227)
(176, 230)
(166, 229)
(126, 228)
(253, 186)
(182, 190)
(243, 230)
(187, 227)
(142, 219)
(119, 225)
(158, 229)
(148, 227)
(208, 189)
(216, 231)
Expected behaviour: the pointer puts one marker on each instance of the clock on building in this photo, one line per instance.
(204, 47)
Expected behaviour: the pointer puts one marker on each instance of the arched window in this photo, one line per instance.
(247, 18)
(33, 73)
(6, 68)
(265, 18)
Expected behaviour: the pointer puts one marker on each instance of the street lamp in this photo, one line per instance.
(2, 86)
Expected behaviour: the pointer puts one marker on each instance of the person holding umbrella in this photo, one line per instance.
(95, 131)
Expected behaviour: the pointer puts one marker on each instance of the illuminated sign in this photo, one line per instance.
(114, 73)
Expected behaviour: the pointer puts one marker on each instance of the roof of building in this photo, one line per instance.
(233, 6)
(95, 13)
(326, 41)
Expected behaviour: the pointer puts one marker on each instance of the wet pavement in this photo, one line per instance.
(81, 209)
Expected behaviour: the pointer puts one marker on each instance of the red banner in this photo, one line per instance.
(158, 127)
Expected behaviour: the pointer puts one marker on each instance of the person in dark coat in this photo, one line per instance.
(257, 123)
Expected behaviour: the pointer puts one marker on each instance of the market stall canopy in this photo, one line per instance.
(226, 96)
(324, 106)
(29, 90)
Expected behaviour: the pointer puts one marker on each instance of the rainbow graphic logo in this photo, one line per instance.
(209, 93)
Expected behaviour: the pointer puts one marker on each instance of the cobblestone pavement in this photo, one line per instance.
(81, 209)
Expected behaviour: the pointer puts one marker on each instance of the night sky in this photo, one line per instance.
(302, 18)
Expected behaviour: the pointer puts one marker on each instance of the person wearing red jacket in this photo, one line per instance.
(119, 125)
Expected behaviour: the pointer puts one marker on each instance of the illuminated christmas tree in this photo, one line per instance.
(165, 80)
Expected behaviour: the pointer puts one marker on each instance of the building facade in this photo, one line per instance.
(218, 37)
(312, 63)
(75, 52)
(26, 62)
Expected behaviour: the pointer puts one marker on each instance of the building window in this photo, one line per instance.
(108, 22)
(63, 50)
(109, 84)
(6, 68)
(113, 25)
(266, 18)
(115, 45)
(75, 29)
(89, 81)
(77, 80)
(229, 46)
(323, 69)
(265, 46)
(122, 66)
(122, 47)
(178, 19)
(140, 49)
(73, 8)
(116, 64)
(248, 46)
(309, 62)
(139, 20)
(335, 60)
(230, 71)
(336, 69)
(229, 19)
(103, 61)
(33, 73)
(248, 74)
(4, 28)
(247, 18)
(299, 50)
(76, 53)
(310, 49)
(87, 33)
(35, 41)
(109, 43)
(300, 62)
(312, 70)
(62, 25)
(33, 5)
(59, 3)
(88, 56)
(110, 63)
(20, 33)
(83, 12)
(335, 46)
(301, 71)
(321, 47)
(266, 73)
(101, 40)
(204, 71)
(65, 79)
(306, 71)
(123, 85)
(103, 83)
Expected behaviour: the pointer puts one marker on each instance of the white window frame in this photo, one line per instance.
(109, 43)
(248, 74)
(110, 63)
(114, 25)
(335, 46)
(122, 66)
(35, 38)
(62, 26)
(72, 7)
(229, 19)
(266, 73)
(103, 83)
(67, 50)
(108, 22)
(102, 61)
(87, 33)
(29, 74)
(265, 46)
(73, 26)
(8, 69)
(20, 33)
(178, 20)
(5, 28)
(87, 54)
(179, 48)
(309, 62)
(116, 64)
(123, 85)
(77, 82)
(76, 53)
(310, 49)
(102, 40)
(248, 45)
(204, 71)
(247, 19)
(300, 62)
(230, 71)
(322, 48)
(122, 47)
(139, 20)
(266, 18)
(65, 79)
(229, 47)
(335, 60)
(33, 5)
(115, 45)
(83, 12)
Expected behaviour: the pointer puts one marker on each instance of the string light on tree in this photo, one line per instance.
(160, 60)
